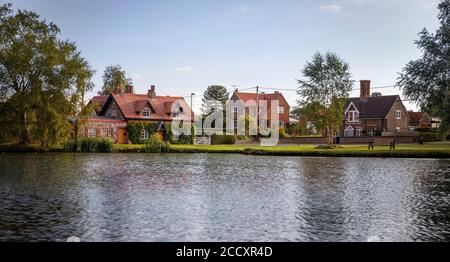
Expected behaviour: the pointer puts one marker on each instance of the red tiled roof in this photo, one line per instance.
(414, 118)
(100, 100)
(252, 96)
(131, 104)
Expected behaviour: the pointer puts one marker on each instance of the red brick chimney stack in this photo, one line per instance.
(129, 89)
(364, 89)
(151, 92)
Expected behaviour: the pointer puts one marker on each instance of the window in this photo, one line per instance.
(349, 131)
(398, 114)
(358, 132)
(108, 114)
(92, 132)
(235, 109)
(352, 116)
(235, 123)
(397, 129)
(412, 129)
(281, 123)
(144, 134)
(280, 110)
(146, 112)
(109, 131)
(370, 133)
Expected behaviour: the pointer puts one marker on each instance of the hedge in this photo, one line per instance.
(223, 139)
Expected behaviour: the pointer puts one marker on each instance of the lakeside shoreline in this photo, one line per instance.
(430, 150)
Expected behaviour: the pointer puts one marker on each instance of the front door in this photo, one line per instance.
(121, 136)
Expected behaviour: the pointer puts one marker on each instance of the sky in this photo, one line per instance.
(183, 46)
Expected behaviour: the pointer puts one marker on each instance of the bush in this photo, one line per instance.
(182, 139)
(88, 145)
(70, 146)
(105, 145)
(241, 137)
(223, 139)
(154, 145)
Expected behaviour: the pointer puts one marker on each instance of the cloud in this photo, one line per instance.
(331, 8)
(184, 69)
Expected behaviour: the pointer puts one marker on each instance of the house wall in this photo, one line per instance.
(101, 129)
(114, 111)
(392, 122)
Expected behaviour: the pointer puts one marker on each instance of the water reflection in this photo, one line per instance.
(201, 197)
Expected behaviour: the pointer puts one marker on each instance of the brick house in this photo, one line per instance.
(120, 108)
(374, 115)
(283, 109)
(418, 120)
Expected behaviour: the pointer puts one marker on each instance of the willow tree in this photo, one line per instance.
(426, 80)
(41, 78)
(325, 85)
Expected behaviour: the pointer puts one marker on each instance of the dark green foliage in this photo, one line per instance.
(427, 79)
(105, 145)
(70, 146)
(182, 139)
(92, 145)
(154, 145)
(114, 77)
(223, 139)
(42, 79)
(134, 130)
(215, 96)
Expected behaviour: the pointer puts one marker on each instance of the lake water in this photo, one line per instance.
(220, 197)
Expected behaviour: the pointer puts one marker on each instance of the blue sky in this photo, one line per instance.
(184, 46)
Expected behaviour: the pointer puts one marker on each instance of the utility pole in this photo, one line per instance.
(192, 94)
(257, 113)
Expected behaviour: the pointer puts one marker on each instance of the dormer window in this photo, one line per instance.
(146, 112)
(352, 116)
(398, 114)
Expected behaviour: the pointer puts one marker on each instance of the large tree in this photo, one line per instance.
(426, 80)
(215, 96)
(114, 77)
(41, 78)
(325, 85)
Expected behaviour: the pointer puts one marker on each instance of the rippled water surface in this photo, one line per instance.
(218, 197)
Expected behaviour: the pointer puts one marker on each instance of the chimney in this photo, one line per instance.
(364, 88)
(129, 89)
(276, 92)
(151, 92)
(236, 90)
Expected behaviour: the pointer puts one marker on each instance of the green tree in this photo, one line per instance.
(427, 79)
(215, 96)
(41, 78)
(327, 82)
(114, 77)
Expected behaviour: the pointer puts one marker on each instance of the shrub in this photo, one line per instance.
(241, 137)
(70, 146)
(223, 139)
(105, 145)
(88, 145)
(182, 139)
(154, 145)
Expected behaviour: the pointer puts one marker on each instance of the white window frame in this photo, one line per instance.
(109, 131)
(354, 116)
(359, 132)
(398, 114)
(92, 132)
(145, 134)
(235, 109)
(235, 123)
(280, 110)
(146, 112)
(397, 129)
(349, 128)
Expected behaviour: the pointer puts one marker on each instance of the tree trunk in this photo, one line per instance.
(24, 133)
(329, 135)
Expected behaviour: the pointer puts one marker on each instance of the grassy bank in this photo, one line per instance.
(427, 150)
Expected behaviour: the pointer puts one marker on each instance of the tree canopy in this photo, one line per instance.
(215, 96)
(43, 79)
(325, 85)
(114, 77)
(427, 80)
